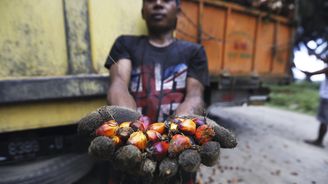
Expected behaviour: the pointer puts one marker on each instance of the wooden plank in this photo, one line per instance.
(200, 24)
(213, 33)
(187, 22)
(281, 60)
(225, 37)
(239, 43)
(243, 9)
(255, 41)
(264, 46)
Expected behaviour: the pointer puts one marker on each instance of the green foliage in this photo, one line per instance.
(301, 97)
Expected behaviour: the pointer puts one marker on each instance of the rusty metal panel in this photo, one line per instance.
(213, 24)
(264, 57)
(32, 38)
(281, 50)
(240, 43)
(108, 20)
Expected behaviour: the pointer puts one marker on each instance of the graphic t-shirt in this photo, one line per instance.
(159, 75)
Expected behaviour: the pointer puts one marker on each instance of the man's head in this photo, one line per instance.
(160, 15)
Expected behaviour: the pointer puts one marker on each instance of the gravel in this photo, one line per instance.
(270, 148)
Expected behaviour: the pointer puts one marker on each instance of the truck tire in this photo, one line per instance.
(64, 169)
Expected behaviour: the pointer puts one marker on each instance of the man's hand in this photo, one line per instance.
(193, 102)
(208, 153)
(103, 147)
(87, 125)
(129, 159)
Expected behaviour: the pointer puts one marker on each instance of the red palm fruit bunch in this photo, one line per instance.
(161, 139)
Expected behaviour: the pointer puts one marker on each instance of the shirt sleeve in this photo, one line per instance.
(198, 67)
(118, 51)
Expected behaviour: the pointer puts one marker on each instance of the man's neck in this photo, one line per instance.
(161, 39)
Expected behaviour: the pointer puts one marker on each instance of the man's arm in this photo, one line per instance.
(193, 103)
(118, 91)
(322, 71)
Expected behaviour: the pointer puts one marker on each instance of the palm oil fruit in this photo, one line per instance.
(138, 139)
(210, 153)
(107, 129)
(178, 143)
(187, 126)
(159, 150)
(204, 133)
(168, 168)
(189, 160)
(158, 127)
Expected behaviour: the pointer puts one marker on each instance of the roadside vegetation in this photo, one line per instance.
(299, 96)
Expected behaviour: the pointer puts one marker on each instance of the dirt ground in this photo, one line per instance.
(270, 148)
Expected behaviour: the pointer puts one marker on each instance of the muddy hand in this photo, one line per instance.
(87, 125)
(210, 142)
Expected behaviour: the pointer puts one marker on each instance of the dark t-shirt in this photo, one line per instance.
(158, 78)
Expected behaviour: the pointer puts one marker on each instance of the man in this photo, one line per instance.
(157, 74)
(322, 110)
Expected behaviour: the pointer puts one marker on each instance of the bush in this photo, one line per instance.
(300, 96)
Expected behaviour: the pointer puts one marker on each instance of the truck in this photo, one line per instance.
(52, 54)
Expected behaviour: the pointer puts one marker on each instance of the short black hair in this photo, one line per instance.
(177, 2)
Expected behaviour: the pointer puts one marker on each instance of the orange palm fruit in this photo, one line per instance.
(107, 129)
(204, 134)
(199, 121)
(125, 124)
(158, 127)
(173, 127)
(152, 135)
(159, 150)
(178, 143)
(116, 140)
(187, 126)
(138, 139)
(145, 120)
(137, 126)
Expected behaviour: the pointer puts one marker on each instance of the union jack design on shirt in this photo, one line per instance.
(158, 92)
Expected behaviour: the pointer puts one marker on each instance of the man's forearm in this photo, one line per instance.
(323, 71)
(192, 105)
(120, 97)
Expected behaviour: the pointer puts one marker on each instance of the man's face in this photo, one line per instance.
(160, 15)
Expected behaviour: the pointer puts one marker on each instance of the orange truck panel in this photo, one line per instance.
(187, 21)
(213, 21)
(263, 57)
(282, 50)
(238, 41)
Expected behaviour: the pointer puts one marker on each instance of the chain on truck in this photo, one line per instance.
(52, 54)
